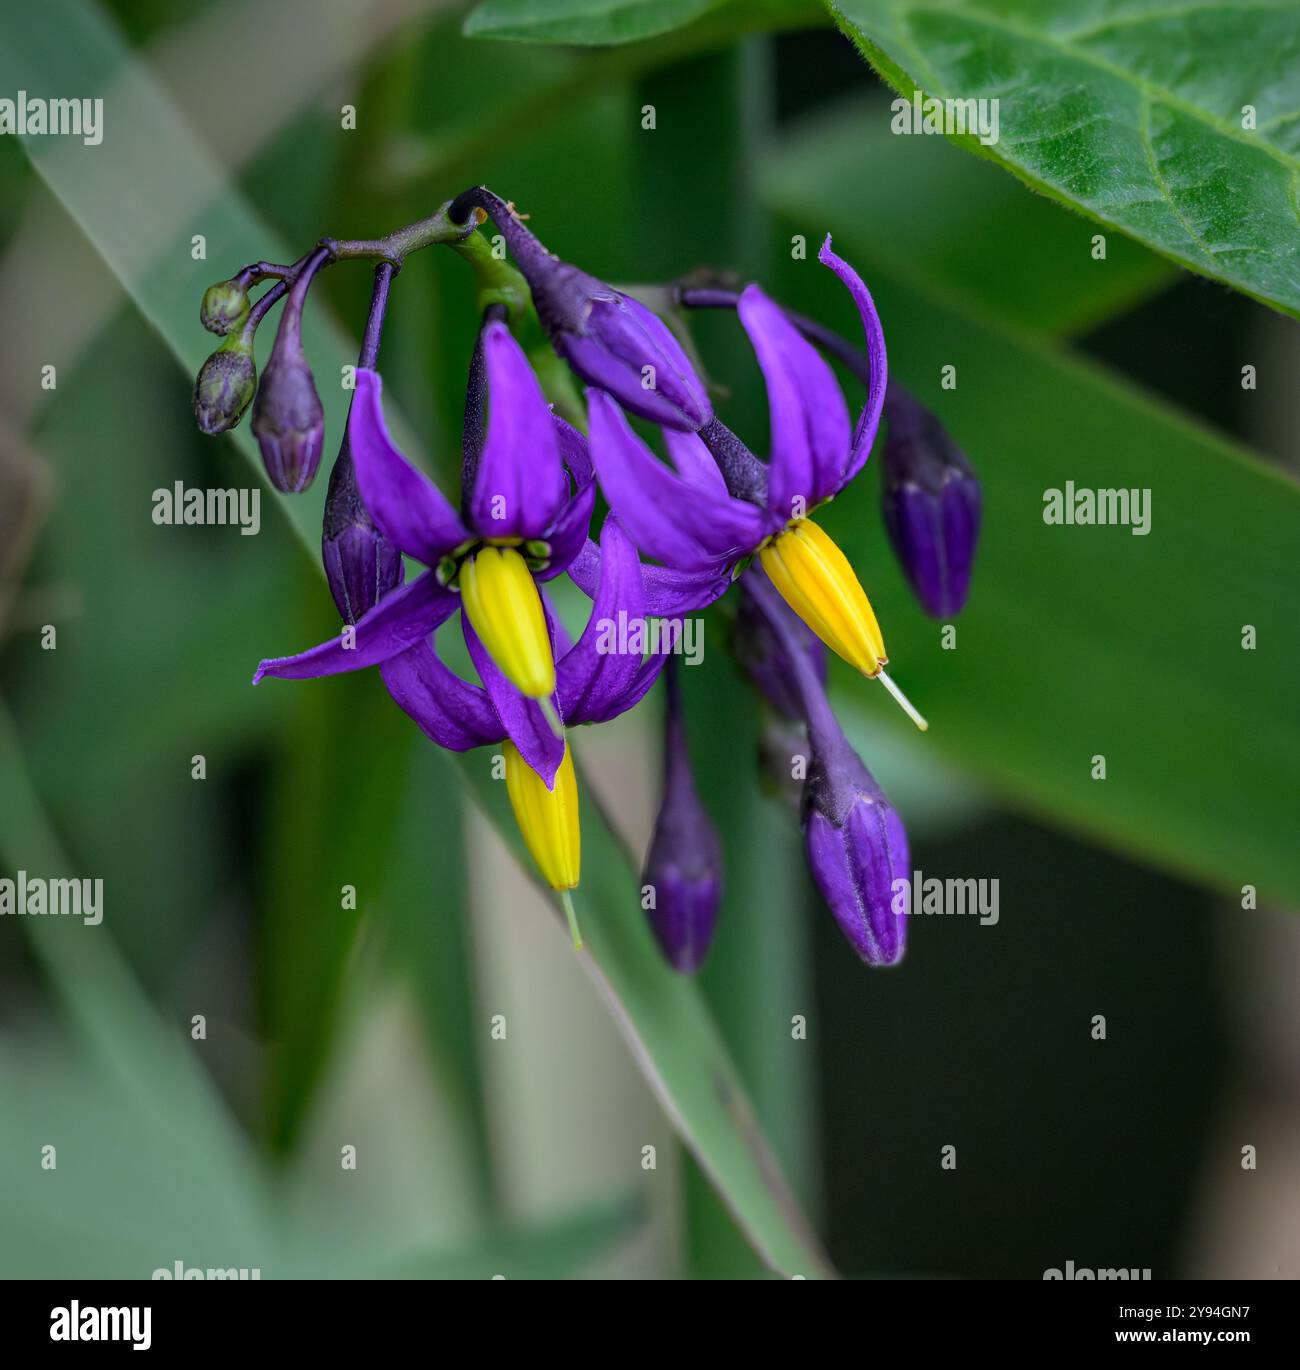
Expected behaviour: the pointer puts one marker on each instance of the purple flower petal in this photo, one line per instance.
(669, 518)
(519, 482)
(397, 622)
(864, 434)
(592, 677)
(620, 338)
(405, 504)
(521, 719)
(667, 592)
(809, 419)
(568, 533)
(449, 710)
(694, 462)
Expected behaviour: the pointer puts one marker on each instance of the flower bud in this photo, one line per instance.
(856, 847)
(225, 385)
(683, 869)
(361, 564)
(761, 653)
(288, 418)
(611, 340)
(225, 306)
(931, 502)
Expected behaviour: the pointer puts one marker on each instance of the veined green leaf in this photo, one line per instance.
(1178, 123)
(156, 160)
(954, 223)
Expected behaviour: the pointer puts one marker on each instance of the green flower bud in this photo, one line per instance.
(226, 385)
(225, 306)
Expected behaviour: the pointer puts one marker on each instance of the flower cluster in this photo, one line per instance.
(713, 515)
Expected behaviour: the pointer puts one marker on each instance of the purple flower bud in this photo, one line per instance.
(857, 849)
(287, 414)
(225, 386)
(225, 306)
(361, 564)
(931, 502)
(611, 340)
(762, 653)
(683, 869)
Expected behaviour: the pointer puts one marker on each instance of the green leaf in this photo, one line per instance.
(949, 222)
(582, 21)
(1131, 112)
(160, 162)
(1081, 641)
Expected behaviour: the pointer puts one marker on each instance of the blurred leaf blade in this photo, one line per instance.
(1084, 118)
(662, 1015)
(581, 21)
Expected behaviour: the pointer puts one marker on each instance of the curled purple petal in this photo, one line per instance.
(809, 418)
(864, 434)
(405, 504)
(568, 533)
(667, 593)
(399, 621)
(594, 674)
(519, 481)
(669, 518)
(450, 711)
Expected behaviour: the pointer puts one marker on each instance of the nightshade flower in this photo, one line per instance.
(721, 505)
(931, 502)
(521, 524)
(683, 868)
(611, 340)
(853, 837)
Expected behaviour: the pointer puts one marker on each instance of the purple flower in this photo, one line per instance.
(718, 504)
(853, 837)
(683, 869)
(611, 340)
(931, 501)
(529, 497)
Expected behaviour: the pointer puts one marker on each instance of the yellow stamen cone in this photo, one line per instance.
(500, 596)
(815, 579)
(548, 820)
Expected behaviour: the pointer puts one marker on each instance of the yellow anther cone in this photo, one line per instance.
(500, 596)
(815, 579)
(548, 820)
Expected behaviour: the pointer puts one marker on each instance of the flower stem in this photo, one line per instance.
(566, 899)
